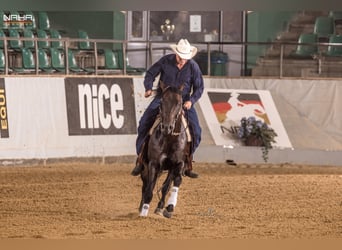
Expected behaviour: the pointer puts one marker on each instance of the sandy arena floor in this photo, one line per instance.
(94, 201)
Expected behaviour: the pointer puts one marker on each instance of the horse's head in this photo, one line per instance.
(170, 107)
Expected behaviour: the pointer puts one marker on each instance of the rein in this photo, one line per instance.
(185, 125)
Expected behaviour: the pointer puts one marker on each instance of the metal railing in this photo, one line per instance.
(69, 43)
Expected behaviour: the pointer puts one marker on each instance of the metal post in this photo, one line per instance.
(66, 57)
(6, 56)
(95, 57)
(244, 58)
(209, 60)
(37, 56)
(150, 54)
(221, 30)
(281, 61)
(124, 57)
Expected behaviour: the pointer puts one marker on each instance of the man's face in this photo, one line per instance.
(180, 62)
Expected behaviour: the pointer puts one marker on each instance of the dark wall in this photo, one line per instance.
(98, 24)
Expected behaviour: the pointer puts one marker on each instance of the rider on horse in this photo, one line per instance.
(177, 68)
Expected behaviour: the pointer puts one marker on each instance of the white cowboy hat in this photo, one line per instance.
(184, 49)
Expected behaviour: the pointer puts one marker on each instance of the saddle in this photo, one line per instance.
(185, 124)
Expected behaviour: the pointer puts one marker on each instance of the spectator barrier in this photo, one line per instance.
(62, 117)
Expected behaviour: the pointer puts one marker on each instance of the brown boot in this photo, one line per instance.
(188, 172)
(138, 167)
(139, 164)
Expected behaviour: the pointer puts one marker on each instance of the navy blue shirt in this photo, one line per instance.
(190, 74)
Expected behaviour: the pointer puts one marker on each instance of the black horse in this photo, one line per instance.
(167, 150)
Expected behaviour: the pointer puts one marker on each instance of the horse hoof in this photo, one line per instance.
(170, 208)
(167, 214)
(144, 210)
(158, 211)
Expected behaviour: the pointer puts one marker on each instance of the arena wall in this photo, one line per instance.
(80, 117)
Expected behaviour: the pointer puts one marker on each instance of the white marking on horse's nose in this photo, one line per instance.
(169, 130)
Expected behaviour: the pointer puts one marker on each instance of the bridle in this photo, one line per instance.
(180, 112)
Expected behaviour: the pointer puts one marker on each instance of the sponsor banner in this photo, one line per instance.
(223, 110)
(99, 106)
(4, 131)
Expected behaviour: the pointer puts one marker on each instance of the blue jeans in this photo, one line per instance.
(149, 116)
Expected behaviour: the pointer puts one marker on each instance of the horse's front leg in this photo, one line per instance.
(145, 180)
(172, 201)
(165, 190)
(150, 181)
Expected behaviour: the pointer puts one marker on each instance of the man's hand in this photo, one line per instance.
(187, 105)
(148, 93)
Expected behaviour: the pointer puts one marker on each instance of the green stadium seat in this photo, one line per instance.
(28, 43)
(44, 61)
(57, 62)
(111, 59)
(44, 44)
(84, 45)
(15, 44)
(111, 63)
(324, 27)
(28, 62)
(3, 25)
(334, 50)
(72, 63)
(2, 35)
(304, 48)
(56, 35)
(30, 25)
(28, 59)
(43, 21)
(2, 61)
(57, 59)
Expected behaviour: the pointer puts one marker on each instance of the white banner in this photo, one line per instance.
(38, 122)
(54, 117)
